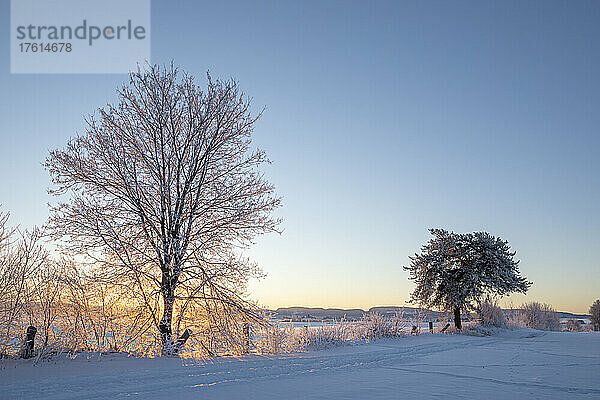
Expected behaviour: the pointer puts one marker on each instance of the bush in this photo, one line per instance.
(540, 316)
(488, 313)
(479, 330)
(573, 325)
(284, 337)
(375, 325)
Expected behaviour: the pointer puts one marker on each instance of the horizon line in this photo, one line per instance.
(396, 306)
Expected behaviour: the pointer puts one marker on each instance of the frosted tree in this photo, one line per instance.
(22, 257)
(163, 189)
(595, 314)
(455, 270)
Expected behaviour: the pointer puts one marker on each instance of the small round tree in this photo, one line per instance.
(595, 314)
(455, 270)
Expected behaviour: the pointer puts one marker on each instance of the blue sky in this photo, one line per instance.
(382, 120)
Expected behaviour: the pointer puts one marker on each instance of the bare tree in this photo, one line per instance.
(45, 298)
(21, 257)
(164, 187)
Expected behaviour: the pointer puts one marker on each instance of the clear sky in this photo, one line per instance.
(383, 119)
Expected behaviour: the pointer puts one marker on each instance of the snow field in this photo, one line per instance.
(518, 364)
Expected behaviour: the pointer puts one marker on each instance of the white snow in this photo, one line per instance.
(520, 364)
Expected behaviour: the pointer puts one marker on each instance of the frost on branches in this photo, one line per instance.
(455, 270)
(164, 187)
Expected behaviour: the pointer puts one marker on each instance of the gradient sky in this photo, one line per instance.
(382, 120)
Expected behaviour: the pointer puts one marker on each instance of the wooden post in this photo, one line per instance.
(246, 338)
(28, 343)
(430, 327)
(182, 339)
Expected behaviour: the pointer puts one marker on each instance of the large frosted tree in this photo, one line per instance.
(453, 271)
(163, 187)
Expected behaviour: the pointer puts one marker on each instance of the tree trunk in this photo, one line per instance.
(457, 321)
(164, 327)
(246, 338)
(170, 346)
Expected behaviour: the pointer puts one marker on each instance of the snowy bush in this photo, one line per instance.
(540, 316)
(472, 329)
(276, 338)
(326, 336)
(287, 338)
(488, 313)
(573, 325)
(377, 326)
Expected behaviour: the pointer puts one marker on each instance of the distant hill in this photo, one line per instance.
(317, 313)
(324, 314)
(564, 314)
(329, 314)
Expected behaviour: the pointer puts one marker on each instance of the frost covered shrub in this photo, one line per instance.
(371, 326)
(478, 330)
(275, 339)
(377, 326)
(573, 325)
(540, 316)
(489, 313)
(284, 337)
(287, 338)
(325, 336)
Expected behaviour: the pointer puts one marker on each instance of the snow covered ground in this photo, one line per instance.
(521, 364)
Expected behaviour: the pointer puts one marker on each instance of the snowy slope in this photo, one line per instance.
(522, 364)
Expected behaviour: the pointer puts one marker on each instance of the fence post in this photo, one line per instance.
(28, 343)
(430, 327)
(182, 339)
